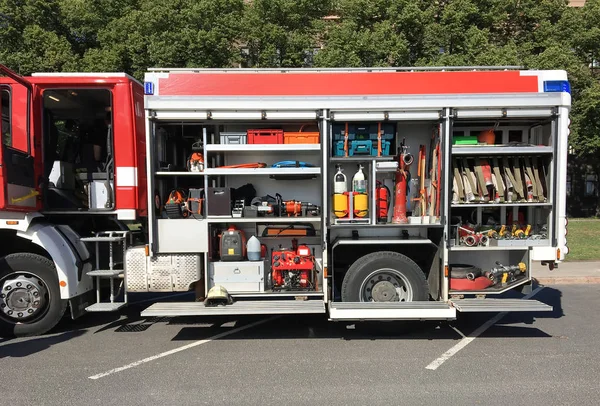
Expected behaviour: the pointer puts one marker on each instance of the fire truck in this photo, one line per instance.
(361, 194)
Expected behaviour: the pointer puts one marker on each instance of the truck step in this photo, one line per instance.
(499, 305)
(102, 239)
(391, 311)
(238, 308)
(106, 273)
(105, 307)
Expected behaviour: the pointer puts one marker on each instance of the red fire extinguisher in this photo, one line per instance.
(383, 198)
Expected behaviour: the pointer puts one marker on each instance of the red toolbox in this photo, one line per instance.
(265, 136)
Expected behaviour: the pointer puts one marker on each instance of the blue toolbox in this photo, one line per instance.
(362, 139)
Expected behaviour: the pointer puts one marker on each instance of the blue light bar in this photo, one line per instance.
(557, 86)
(148, 88)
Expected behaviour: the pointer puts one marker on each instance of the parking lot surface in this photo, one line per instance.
(123, 359)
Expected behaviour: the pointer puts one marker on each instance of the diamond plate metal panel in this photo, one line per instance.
(173, 272)
(135, 270)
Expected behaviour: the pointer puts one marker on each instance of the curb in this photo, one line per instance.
(568, 280)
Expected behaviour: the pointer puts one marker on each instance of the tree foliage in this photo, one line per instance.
(132, 35)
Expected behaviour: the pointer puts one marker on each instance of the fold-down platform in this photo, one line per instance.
(391, 311)
(239, 308)
(499, 305)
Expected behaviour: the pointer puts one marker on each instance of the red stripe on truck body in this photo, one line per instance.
(345, 83)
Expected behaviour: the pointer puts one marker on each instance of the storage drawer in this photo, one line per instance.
(233, 138)
(239, 276)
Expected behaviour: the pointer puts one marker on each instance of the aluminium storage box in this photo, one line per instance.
(233, 138)
(239, 276)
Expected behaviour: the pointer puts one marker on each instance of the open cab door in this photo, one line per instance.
(18, 189)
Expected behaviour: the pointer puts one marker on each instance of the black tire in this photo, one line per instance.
(460, 271)
(365, 266)
(54, 308)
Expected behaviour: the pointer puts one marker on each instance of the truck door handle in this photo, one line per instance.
(237, 271)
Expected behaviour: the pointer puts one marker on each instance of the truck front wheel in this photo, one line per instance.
(30, 302)
(384, 277)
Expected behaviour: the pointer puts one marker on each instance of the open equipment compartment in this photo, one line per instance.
(415, 143)
(211, 167)
(503, 192)
(476, 272)
(281, 184)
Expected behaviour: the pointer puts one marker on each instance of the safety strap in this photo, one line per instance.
(346, 140)
(499, 180)
(378, 139)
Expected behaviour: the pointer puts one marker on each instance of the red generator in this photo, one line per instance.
(292, 269)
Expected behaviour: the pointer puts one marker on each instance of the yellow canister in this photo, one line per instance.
(340, 205)
(361, 204)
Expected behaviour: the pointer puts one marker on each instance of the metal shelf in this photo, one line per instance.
(361, 158)
(386, 225)
(495, 205)
(500, 150)
(262, 171)
(261, 147)
(489, 248)
(279, 294)
(168, 173)
(264, 220)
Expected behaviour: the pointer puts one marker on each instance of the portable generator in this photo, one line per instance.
(292, 269)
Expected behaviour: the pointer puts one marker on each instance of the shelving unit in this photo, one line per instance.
(498, 205)
(261, 171)
(491, 150)
(262, 147)
(264, 220)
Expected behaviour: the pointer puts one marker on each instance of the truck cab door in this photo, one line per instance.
(18, 189)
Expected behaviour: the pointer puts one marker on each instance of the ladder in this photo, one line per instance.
(112, 273)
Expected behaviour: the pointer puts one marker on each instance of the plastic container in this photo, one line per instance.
(340, 184)
(301, 137)
(265, 136)
(233, 138)
(253, 248)
(359, 182)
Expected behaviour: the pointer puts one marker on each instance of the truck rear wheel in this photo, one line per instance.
(384, 277)
(30, 302)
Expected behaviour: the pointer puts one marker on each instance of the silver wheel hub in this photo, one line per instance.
(22, 296)
(386, 285)
(384, 292)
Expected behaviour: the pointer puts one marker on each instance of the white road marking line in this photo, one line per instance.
(183, 348)
(467, 340)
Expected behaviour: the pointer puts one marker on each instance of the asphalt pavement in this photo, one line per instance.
(543, 358)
